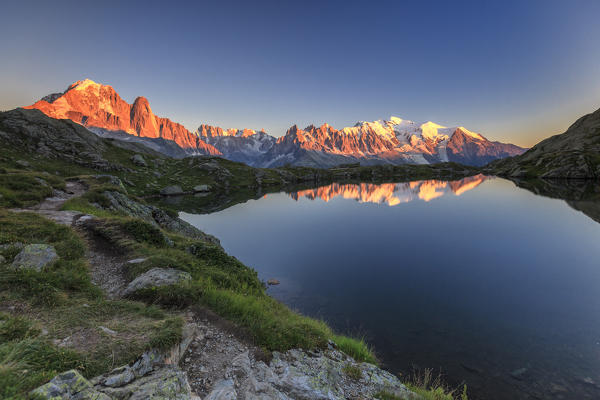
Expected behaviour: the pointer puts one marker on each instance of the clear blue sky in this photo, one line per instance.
(513, 70)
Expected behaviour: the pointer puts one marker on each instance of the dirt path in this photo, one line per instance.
(107, 266)
(50, 207)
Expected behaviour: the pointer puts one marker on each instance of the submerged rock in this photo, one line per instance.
(273, 282)
(35, 256)
(157, 277)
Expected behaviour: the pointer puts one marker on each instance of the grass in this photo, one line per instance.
(431, 386)
(60, 303)
(19, 189)
(355, 348)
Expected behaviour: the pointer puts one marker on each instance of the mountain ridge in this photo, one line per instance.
(394, 141)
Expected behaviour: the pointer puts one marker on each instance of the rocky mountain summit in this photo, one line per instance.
(574, 154)
(394, 141)
(100, 108)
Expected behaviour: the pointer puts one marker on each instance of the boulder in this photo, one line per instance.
(139, 160)
(35, 256)
(202, 188)
(171, 190)
(157, 277)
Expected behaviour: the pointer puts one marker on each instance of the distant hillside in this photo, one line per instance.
(574, 154)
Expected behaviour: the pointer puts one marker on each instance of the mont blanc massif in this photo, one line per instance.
(395, 141)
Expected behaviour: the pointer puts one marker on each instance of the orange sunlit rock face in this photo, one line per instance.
(392, 193)
(100, 106)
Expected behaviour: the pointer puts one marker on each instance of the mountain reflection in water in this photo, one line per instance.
(392, 194)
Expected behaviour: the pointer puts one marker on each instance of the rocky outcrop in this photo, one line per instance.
(157, 277)
(35, 257)
(121, 203)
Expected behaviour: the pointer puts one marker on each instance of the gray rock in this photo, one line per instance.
(171, 190)
(157, 277)
(136, 261)
(2, 259)
(35, 256)
(202, 188)
(139, 160)
(22, 163)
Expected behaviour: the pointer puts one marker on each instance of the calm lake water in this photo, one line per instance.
(487, 282)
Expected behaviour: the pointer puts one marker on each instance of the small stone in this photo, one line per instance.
(2, 259)
(136, 261)
(273, 281)
(202, 188)
(22, 163)
(171, 190)
(107, 330)
(519, 374)
(138, 160)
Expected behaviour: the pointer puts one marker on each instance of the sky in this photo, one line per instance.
(515, 71)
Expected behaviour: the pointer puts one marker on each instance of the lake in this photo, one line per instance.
(488, 283)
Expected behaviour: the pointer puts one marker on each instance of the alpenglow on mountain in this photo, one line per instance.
(395, 141)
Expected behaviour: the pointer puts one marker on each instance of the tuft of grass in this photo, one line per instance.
(168, 334)
(15, 328)
(431, 386)
(270, 323)
(355, 348)
(352, 371)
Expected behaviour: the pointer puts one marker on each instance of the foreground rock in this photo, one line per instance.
(157, 277)
(35, 256)
(154, 375)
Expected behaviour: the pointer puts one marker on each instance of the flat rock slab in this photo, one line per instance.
(35, 256)
(156, 277)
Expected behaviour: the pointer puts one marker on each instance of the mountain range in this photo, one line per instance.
(395, 141)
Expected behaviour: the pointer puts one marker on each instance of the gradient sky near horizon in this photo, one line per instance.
(516, 71)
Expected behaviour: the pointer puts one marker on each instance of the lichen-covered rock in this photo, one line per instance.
(157, 277)
(171, 190)
(168, 382)
(68, 385)
(35, 256)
